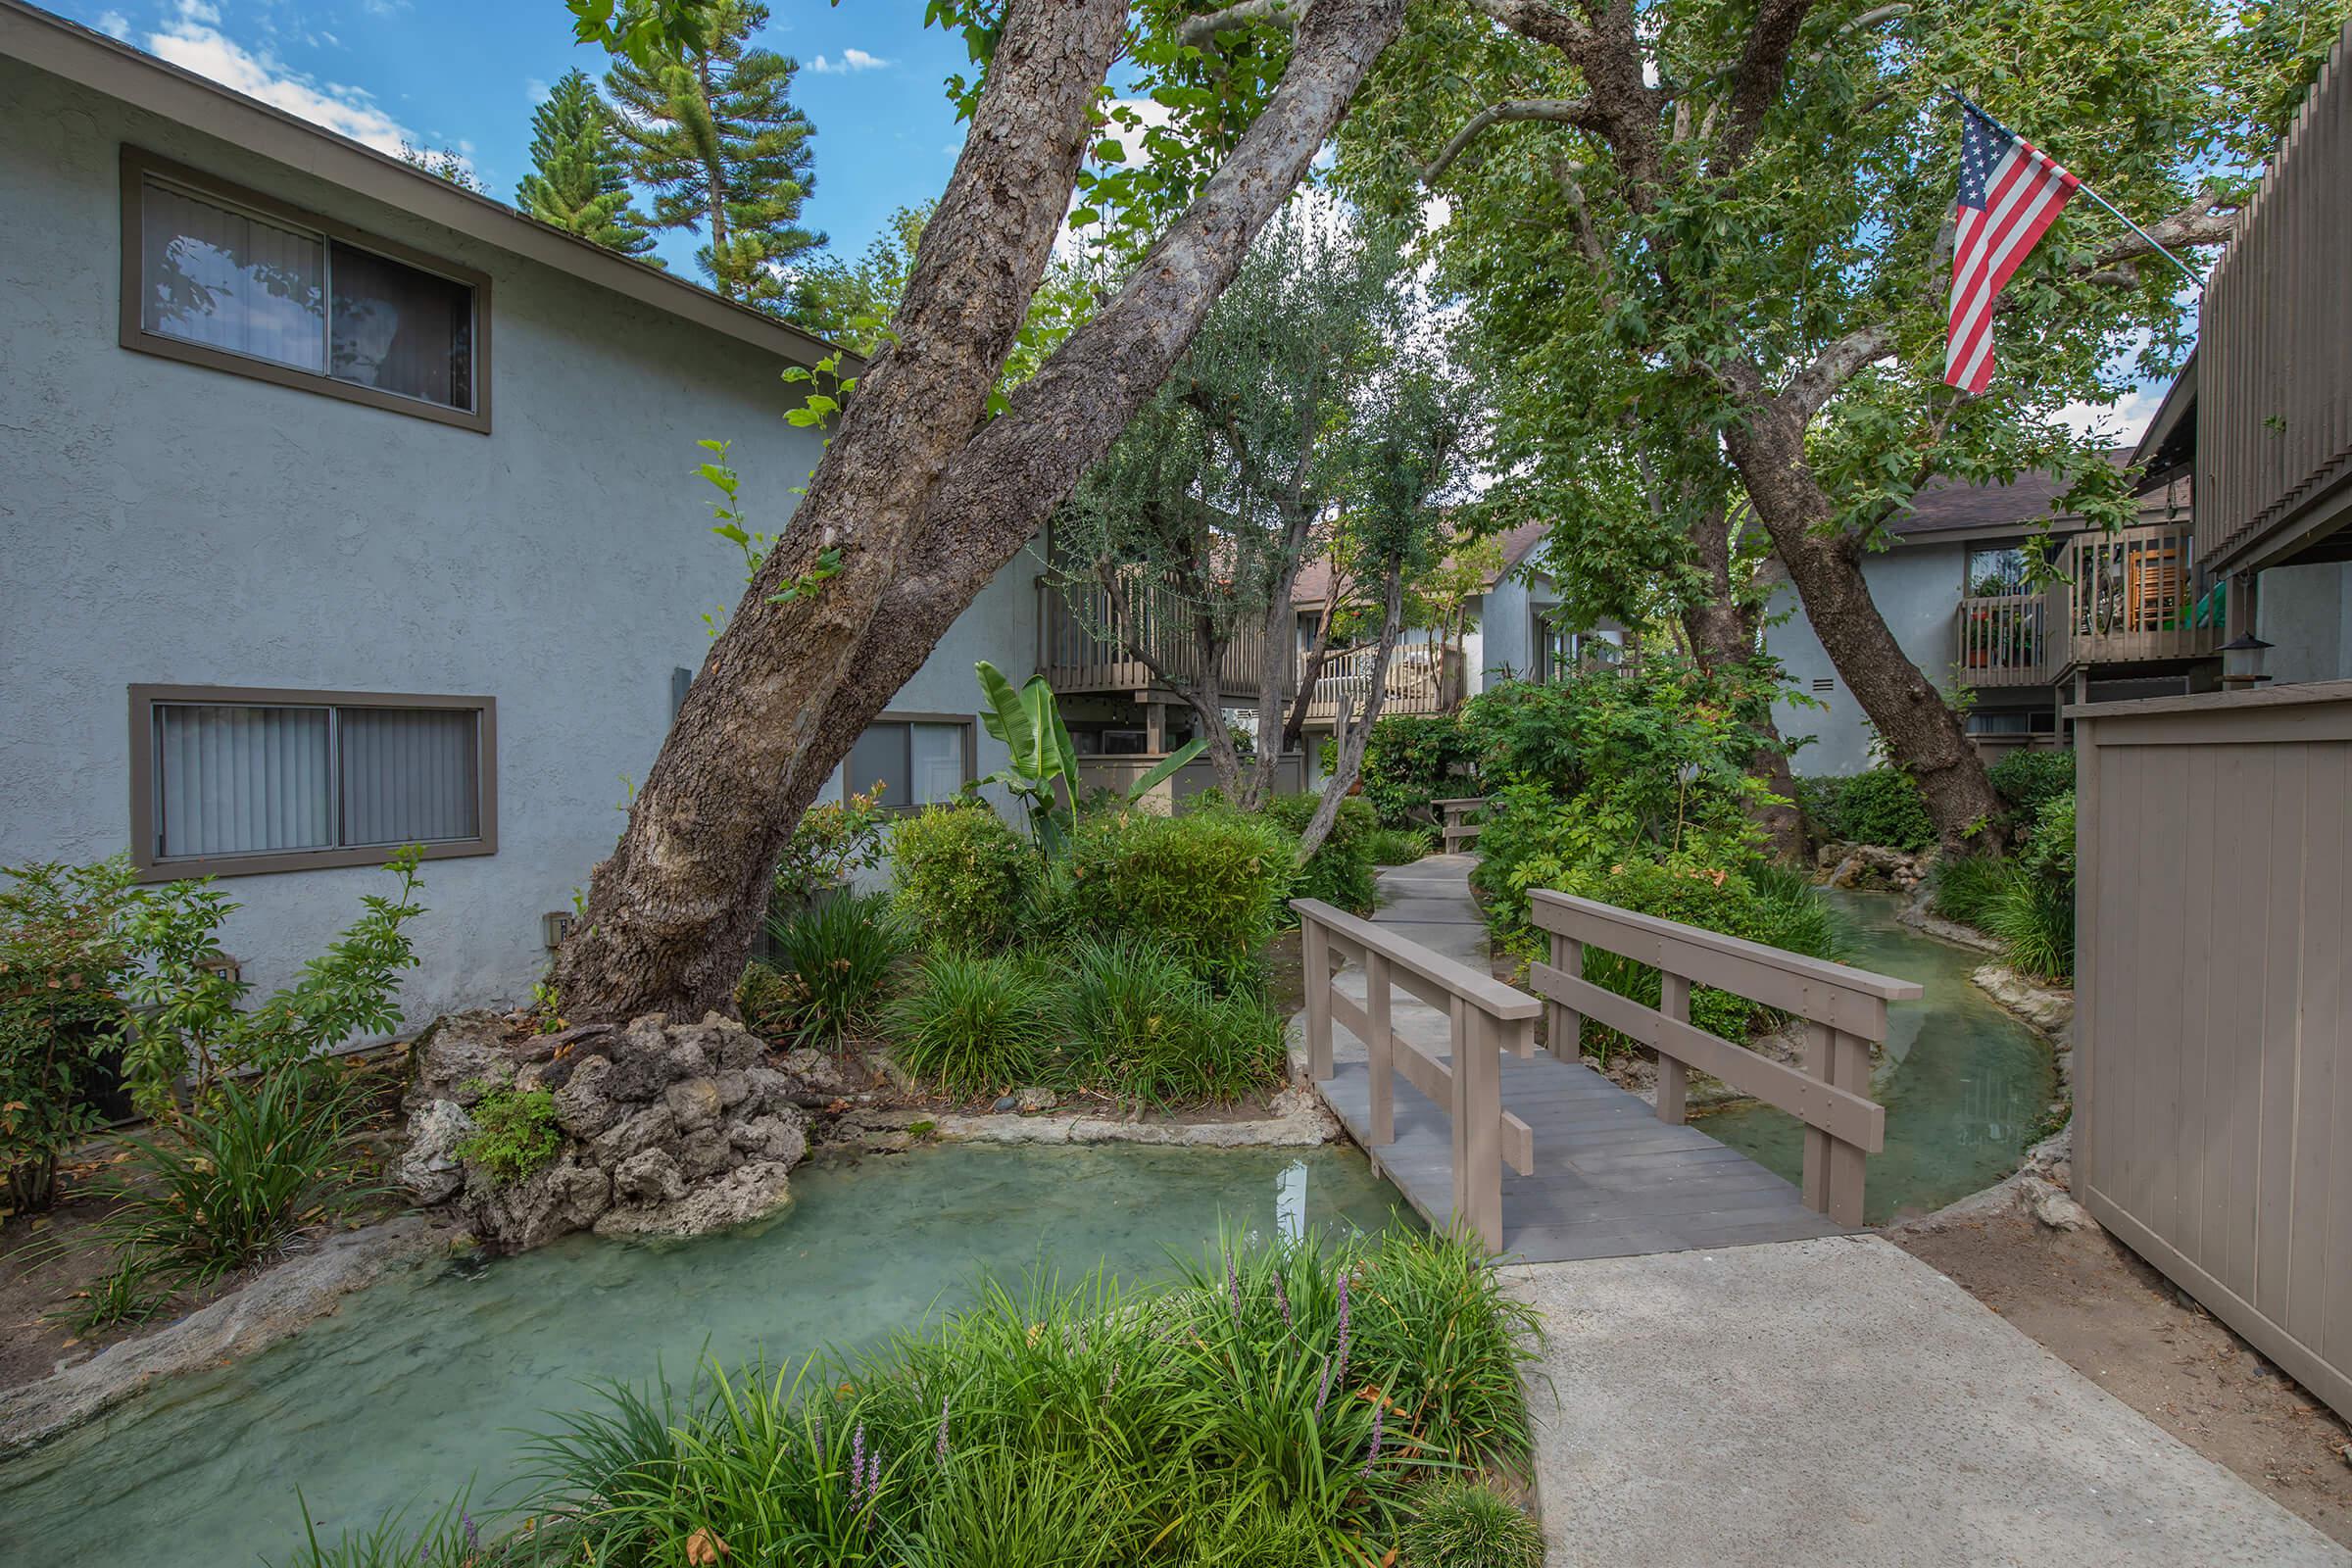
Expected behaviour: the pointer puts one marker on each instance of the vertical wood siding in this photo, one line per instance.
(2214, 1081)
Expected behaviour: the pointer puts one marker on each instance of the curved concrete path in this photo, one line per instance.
(1834, 1401)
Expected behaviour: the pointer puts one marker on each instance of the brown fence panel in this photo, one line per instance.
(2214, 1030)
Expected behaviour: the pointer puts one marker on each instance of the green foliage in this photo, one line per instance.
(577, 180)
(65, 956)
(2034, 917)
(124, 1295)
(973, 1024)
(1398, 846)
(1029, 723)
(710, 129)
(830, 844)
(1412, 760)
(1208, 886)
(1244, 1415)
(1882, 806)
(448, 1538)
(851, 303)
(2028, 779)
(834, 959)
(1339, 872)
(1148, 1031)
(1466, 1524)
(964, 877)
(230, 1182)
(1966, 889)
(515, 1134)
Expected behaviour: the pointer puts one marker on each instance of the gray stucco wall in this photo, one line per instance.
(163, 522)
(1917, 588)
(2307, 613)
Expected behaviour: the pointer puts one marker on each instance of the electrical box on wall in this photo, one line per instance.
(554, 926)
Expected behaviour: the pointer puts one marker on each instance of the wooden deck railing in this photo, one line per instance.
(1421, 679)
(1485, 1018)
(2124, 598)
(2004, 639)
(1844, 1012)
(1459, 829)
(1082, 631)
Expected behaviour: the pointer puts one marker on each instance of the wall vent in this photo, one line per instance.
(1824, 683)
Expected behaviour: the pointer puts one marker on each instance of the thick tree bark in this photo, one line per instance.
(918, 499)
(1722, 633)
(1919, 727)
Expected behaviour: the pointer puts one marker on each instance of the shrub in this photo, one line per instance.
(1462, 1523)
(2027, 780)
(1339, 872)
(1208, 887)
(964, 876)
(1966, 889)
(833, 961)
(1413, 759)
(230, 1182)
(515, 1134)
(830, 844)
(2033, 917)
(1150, 1031)
(975, 1023)
(66, 955)
(1394, 846)
(1883, 806)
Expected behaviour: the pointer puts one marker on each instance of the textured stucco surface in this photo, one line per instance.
(164, 522)
(1917, 588)
(2307, 613)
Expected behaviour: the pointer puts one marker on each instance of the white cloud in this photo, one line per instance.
(192, 42)
(115, 24)
(2120, 422)
(850, 60)
(538, 91)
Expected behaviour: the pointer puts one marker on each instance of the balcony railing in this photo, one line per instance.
(1421, 679)
(1083, 635)
(2127, 597)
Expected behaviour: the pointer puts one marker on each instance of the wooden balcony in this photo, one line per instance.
(2126, 599)
(1421, 679)
(1083, 634)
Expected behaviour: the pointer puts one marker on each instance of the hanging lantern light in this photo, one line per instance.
(2242, 659)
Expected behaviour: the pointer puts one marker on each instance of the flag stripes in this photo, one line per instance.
(2010, 194)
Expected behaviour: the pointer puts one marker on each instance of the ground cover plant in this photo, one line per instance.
(1277, 1404)
(829, 968)
(2034, 915)
(1879, 806)
(514, 1132)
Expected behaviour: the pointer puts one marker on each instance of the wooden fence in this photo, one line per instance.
(1485, 1018)
(1844, 1012)
(1459, 829)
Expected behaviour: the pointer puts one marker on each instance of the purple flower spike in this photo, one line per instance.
(1282, 1298)
(1372, 1451)
(473, 1532)
(858, 1463)
(1233, 1283)
(941, 1452)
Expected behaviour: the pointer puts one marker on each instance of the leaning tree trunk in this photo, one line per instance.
(1722, 637)
(1920, 730)
(920, 497)
(1354, 738)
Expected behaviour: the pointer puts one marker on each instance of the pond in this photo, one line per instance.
(1965, 1084)
(423, 1381)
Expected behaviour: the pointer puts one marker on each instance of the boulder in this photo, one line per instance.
(707, 1152)
(747, 1193)
(583, 1109)
(653, 1127)
(781, 1136)
(734, 1086)
(694, 1102)
(569, 1196)
(430, 1166)
(649, 1177)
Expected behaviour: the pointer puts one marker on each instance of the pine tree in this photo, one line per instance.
(577, 181)
(714, 135)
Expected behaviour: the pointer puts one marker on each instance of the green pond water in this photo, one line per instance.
(1963, 1083)
(421, 1381)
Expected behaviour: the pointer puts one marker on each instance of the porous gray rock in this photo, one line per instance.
(660, 1123)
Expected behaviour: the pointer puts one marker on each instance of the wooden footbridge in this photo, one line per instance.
(1593, 1170)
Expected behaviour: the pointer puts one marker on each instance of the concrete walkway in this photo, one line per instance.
(1832, 1402)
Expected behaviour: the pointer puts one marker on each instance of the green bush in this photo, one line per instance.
(1463, 1524)
(515, 1134)
(66, 955)
(1339, 872)
(1149, 1030)
(972, 1024)
(1966, 889)
(2033, 917)
(1880, 806)
(2027, 780)
(1208, 887)
(1412, 760)
(964, 877)
(1399, 846)
(833, 961)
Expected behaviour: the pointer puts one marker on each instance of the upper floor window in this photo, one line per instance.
(226, 278)
(1995, 571)
(226, 782)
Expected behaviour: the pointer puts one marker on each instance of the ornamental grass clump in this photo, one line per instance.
(833, 963)
(1262, 1409)
(1463, 1524)
(976, 1023)
(1143, 1027)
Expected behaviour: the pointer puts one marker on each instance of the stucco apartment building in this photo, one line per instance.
(343, 507)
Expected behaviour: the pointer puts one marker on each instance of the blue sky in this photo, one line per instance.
(447, 74)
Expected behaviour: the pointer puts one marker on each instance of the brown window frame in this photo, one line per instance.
(139, 166)
(145, 782)
(972, 753)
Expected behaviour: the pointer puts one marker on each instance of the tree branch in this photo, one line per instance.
(1577, 112)
(1835, 365)
(1756, 83)
(1533, 19)
(1200, 32)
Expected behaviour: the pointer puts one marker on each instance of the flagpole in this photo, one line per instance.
(2086, 189)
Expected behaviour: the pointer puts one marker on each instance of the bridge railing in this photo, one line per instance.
(1485, 1018)
(1459, 829)
(1844, 1012)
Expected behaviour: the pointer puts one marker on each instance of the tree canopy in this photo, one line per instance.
(577, 181)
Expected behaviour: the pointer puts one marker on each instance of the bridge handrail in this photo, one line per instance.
(1459, 826)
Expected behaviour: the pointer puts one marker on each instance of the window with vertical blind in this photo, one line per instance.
(228, 782)
(228, 279)
(917, 759)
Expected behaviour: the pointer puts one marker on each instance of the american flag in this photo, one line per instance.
(2010, 191)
